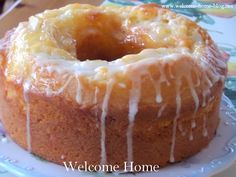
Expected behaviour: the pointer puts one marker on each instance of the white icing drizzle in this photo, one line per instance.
(180, 127)
(198, 79)
(196, 101)
(213, 75)
(157, 85)
(170, 73)
(191, 135)
(135, 94)
(163, 77)
(79, 91)
(162, 108)
(208, 80)
(194, 93)
(95, 101)
(217, 57)
(122, 85)
(103, 121)
(205, 131)
(193, 123)
(211, 99)
(60, 90)
(158, 92)
(178, 108)
(26, 88)
(206, 89)
(62, 157)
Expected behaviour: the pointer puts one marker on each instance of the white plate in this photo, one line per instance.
(219, 155)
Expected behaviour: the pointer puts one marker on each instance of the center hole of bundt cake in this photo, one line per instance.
(102, 37)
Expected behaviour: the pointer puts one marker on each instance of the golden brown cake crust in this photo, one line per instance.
(158, 106)
(65, 129)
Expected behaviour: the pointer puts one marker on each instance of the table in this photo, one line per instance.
(32, 7)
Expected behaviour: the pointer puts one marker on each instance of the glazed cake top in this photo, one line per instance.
(90, 40)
